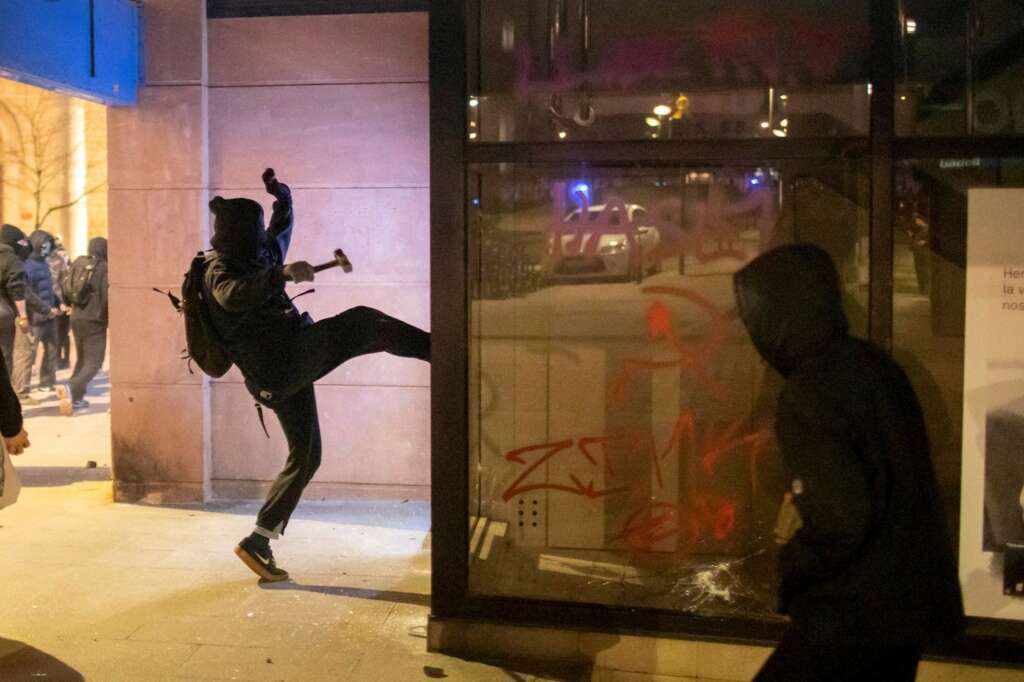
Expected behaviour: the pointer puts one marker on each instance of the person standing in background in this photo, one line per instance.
(59, 269)
(87, 290)
(42, 312)
(14, 324)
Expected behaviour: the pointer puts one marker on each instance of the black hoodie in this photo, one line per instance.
(245, 285)
(873, 561)
(12, 272)
(94, 312)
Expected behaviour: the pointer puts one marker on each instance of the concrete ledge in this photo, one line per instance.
(233, 489)
(631, 658)
(158, 493)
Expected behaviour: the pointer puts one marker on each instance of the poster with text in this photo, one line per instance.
(992, 484)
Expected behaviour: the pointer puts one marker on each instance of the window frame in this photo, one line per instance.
(451, 44)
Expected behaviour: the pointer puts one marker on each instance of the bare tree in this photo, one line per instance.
(43, 153)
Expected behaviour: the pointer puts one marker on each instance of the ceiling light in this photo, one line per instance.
(652, 121)
(662, 110)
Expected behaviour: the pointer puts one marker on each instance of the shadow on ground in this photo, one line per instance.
(19, 661)
(353, 592)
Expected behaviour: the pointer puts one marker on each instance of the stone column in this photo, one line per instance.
(158, 177)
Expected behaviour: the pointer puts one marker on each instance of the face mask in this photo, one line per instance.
(45, 250)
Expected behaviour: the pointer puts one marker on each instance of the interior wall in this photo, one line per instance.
(338, 106)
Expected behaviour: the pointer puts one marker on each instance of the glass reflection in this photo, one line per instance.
(621, 437)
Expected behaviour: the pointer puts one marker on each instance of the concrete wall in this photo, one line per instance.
(338, 106)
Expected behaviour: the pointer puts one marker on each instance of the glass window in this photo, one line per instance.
(601, 69)
(960, 68)
(958, 281)
(621, 441)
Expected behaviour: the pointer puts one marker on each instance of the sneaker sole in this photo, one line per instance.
(257, 568)
(65, 401)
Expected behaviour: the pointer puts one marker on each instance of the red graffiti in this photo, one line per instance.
(730, 48)
(550, 450)
(704, 516)
(693, 357)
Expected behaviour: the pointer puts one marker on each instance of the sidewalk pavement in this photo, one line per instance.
(97, 591)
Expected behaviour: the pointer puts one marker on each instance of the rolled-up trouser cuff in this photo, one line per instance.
(270, 534)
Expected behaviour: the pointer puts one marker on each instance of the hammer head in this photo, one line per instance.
(342, 260)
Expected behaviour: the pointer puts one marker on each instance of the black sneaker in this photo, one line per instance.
(260, 561)
(80, 404)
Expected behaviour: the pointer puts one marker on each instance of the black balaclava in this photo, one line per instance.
(15, 238)
(98, 248)
(238, 227)
(791, 304)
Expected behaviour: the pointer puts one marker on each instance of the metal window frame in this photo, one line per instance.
(987, 640)
(228, 9)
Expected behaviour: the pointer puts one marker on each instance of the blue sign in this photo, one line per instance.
(85, 48)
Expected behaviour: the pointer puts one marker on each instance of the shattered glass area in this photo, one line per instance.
(622, 447)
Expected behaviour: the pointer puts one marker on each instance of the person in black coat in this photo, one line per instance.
(89, 321)
(42, 308)
(280, 351)
(870, 576)
(14, 248)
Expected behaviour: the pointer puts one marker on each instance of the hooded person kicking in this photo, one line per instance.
(280, 351)
(869, 577)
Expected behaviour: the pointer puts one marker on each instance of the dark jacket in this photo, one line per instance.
(10, 407)
(38, 280)
(95, 309)
(244, 286)
(873, 561)
(12, 273)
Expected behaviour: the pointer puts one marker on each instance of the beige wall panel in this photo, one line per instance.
(320, 135)
(159, 143)
(411, 304)
(154, 234)
(319, 49)
(385, 232)
(372, 435)
(146, 339)
(173, 40)
(158, 433)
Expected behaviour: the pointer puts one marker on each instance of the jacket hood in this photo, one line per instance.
(37, 239)
(237, 227)
(15, 238)
(98, 248)
(790, 302)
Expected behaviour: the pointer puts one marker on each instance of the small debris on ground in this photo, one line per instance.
(436, 673)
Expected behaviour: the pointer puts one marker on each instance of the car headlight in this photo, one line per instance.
(608, 248)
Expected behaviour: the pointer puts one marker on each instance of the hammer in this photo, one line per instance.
(340, 261)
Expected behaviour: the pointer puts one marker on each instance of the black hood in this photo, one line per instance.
(237, 227)
(790, 302)
(15, 238)
(98, 248)
(37, 239)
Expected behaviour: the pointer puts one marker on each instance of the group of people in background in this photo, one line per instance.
(45, 299)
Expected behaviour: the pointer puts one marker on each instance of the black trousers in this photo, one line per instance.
(798, 660)
(90, 349)
(63, 341)
(318, 350)
(46, 334)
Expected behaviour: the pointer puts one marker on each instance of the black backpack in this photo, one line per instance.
(204, 345)
(78, 289)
